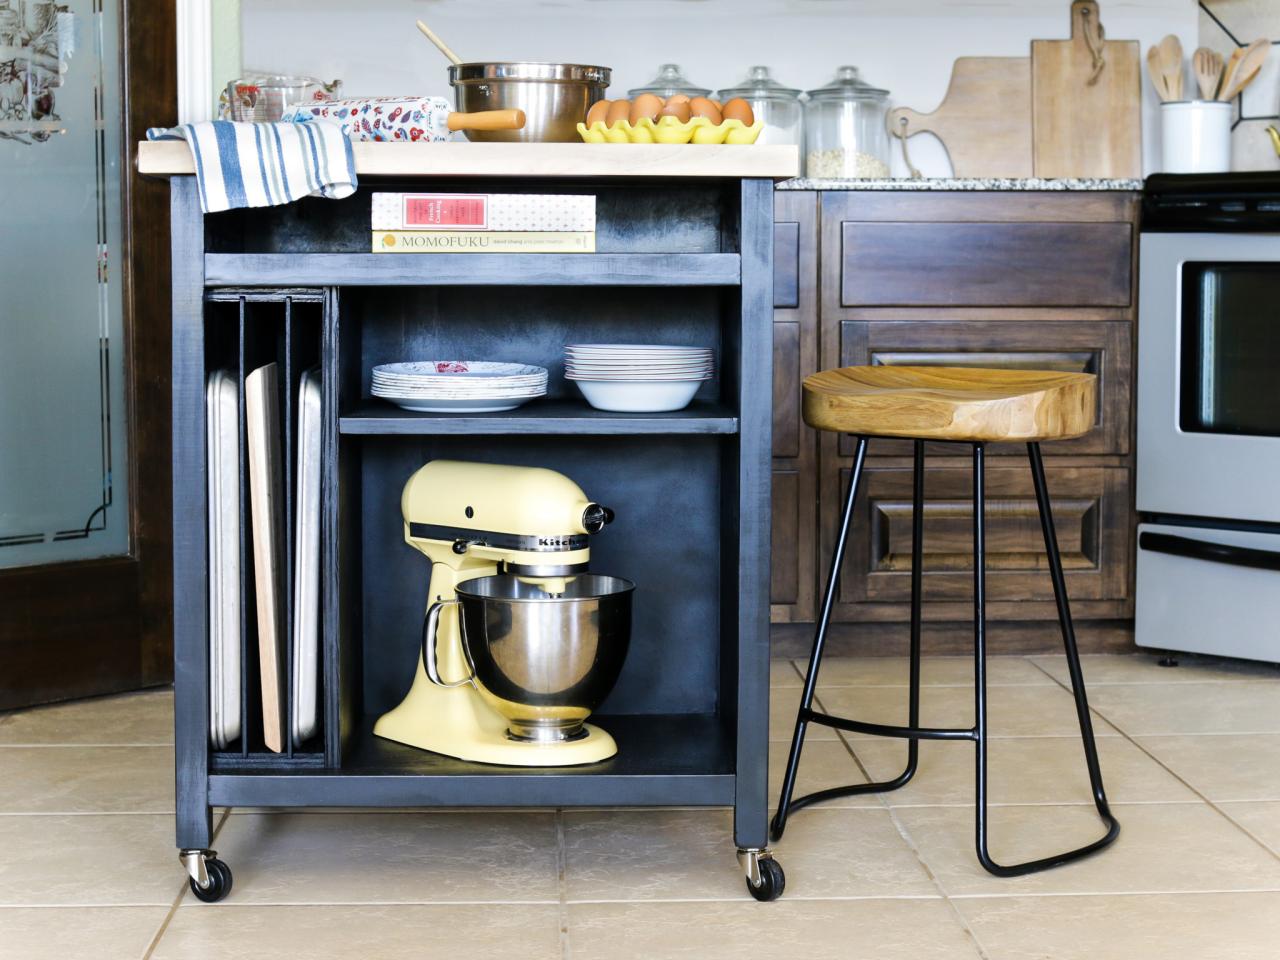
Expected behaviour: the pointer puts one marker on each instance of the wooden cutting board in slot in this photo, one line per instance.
(1086, 109)
(985, 119)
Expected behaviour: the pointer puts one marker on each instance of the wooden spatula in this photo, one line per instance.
(1171, 65)
(1246, 67)
(1208, 68)
(1155, 69)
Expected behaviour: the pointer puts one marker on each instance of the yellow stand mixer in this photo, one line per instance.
(520, 643)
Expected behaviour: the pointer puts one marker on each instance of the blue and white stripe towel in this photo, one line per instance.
(265, 164)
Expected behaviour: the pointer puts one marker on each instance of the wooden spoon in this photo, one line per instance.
(1156, 71)
(1229, 71)
(1171, 64)
(1246, 69)
(1208, 67)
(440, 44)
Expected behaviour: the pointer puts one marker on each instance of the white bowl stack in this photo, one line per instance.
(638, 377)
(458, 386)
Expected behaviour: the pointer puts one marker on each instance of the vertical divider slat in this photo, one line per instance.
(289, 523)
(246, 581)
(329, 630)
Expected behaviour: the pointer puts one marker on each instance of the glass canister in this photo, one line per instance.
(778, 107)
(668, 83)
(844, 129)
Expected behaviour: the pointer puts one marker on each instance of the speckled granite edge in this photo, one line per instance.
(971, 183)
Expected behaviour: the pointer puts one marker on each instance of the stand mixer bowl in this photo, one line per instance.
(545, 660)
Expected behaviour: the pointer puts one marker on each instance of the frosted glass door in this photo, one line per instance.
(63, 466)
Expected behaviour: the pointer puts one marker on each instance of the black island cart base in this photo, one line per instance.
(685, 258)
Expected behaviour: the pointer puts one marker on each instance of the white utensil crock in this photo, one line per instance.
(1195, 136)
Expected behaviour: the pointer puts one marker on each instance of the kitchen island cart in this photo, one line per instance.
(684, 256)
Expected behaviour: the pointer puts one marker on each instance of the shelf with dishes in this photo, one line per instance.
(627, 389)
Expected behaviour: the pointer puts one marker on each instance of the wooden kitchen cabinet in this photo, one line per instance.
(1039, 280)
(793, 589)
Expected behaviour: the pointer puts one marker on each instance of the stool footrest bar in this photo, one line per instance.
(883, 730)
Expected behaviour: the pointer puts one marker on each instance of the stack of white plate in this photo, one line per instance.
(638, 377)
(458, 386)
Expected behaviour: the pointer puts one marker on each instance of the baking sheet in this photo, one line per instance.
(306, 564)
(222, 438)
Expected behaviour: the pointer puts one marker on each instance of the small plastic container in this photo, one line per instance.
(1195, 136)
(844, 131)
(668, 83)
(778, 107)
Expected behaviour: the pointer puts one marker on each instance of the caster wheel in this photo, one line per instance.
(219, 882)
(772, 882)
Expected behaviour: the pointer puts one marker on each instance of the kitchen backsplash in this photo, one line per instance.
(1224, 25)
(906, 46)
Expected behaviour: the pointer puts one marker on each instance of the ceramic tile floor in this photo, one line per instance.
(1191, 758)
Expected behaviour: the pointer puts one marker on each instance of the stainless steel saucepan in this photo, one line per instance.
(555, 97)
(543, 660)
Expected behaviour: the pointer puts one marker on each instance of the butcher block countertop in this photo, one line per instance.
(779, 162)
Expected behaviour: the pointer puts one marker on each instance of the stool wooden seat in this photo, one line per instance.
(951, 403)
(977, 407)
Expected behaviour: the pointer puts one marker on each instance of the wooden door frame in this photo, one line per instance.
(100, 626)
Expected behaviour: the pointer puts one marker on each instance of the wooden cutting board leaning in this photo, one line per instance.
(1073, 109)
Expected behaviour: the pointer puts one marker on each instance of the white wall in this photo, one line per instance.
(906, 46)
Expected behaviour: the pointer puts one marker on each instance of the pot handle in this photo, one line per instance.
(430, 624)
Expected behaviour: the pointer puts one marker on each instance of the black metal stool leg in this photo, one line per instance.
(785, 804)
(1073, 665)
(1069, 638)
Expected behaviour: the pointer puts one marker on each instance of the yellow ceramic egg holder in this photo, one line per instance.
(671, 130)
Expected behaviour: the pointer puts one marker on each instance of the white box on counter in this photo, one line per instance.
(544, 212)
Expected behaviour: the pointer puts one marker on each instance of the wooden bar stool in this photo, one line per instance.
(962, 405)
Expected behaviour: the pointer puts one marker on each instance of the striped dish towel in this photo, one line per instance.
(265, 164)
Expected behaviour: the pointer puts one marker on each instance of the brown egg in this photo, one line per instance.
(677, 98)
(599, 110)
(702, 107)
(618, 110)
(646, 105)
(739, 109)
(678, 109)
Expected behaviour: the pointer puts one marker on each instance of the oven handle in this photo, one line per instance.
(1213, 552)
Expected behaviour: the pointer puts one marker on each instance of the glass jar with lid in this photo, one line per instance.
(844, 129)
(778, 107)
(668, 83)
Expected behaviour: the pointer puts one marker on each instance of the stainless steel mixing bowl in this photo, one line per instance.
(544, 660)
(555, 97)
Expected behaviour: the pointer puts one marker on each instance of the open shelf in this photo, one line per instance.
(662, 759)
(473, 269)
(546, 417)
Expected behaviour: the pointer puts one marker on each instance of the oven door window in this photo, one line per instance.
(1230, 376)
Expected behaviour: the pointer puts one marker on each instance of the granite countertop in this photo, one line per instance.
(971, 183)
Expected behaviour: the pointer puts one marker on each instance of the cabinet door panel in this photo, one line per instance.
(786, 264)
(787, 375)
(784, 579)
(1090, 506)
(1100, 348)
(985, 264)
(795, 446)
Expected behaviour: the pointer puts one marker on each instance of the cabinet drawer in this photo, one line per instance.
(985, 264)
(1090, 510)
(1097, 347)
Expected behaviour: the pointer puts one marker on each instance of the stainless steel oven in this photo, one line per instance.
(1208, 482)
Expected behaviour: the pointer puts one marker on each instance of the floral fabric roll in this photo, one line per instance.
(381, 119)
